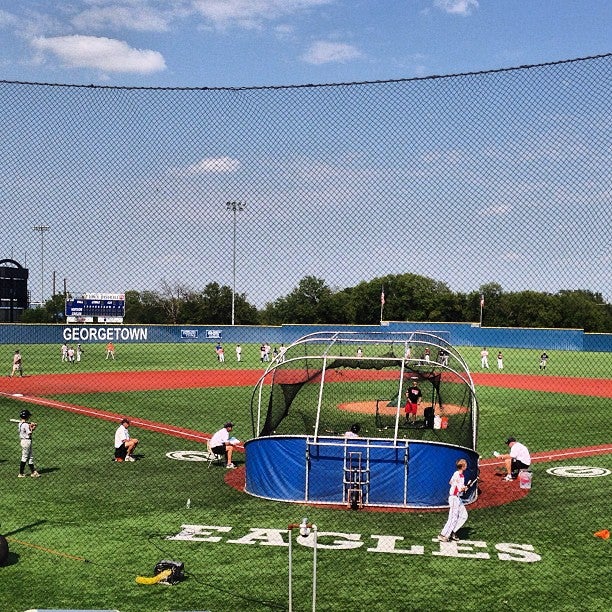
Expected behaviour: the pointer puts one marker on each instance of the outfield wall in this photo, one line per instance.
(458, 334)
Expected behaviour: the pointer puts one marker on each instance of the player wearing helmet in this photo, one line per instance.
(25, 437)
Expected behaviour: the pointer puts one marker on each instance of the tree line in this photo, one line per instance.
(407, 297)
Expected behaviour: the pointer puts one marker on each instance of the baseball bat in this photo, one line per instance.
(14, 420)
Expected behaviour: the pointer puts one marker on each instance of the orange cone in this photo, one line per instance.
(604, 534)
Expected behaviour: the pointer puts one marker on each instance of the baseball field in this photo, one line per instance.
(81, 534)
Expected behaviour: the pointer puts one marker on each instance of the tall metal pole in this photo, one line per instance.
(235, 207)
(42, 229)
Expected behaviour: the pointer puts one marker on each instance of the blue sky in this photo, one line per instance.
(503, 177)
(218, 43)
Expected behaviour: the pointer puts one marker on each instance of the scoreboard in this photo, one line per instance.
(101, 305)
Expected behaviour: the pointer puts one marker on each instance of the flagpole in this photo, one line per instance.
(481, 308)
(382, 303)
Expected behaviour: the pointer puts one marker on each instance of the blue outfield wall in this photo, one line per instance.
(458, 334)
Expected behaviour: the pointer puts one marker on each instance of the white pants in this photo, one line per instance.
(457, 515)
(27, 455)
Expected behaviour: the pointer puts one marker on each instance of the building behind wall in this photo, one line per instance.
(13, 290)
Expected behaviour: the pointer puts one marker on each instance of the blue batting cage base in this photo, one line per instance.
(370, 471)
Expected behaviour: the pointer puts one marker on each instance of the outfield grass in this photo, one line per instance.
(118, 516)
(46, 358)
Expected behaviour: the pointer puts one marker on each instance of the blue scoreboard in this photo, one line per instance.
(97, 305)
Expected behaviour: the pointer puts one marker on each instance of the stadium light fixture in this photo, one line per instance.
(235, 208)
(42, 229)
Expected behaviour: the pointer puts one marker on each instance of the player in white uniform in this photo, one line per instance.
(25, 438)
(484, 358)
(17, 364)
(353, 431)
(457, 514)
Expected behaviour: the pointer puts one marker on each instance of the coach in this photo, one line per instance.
(517, 459)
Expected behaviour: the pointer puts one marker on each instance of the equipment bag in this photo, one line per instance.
(177, 570)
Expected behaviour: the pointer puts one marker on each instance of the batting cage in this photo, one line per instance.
(362, 419)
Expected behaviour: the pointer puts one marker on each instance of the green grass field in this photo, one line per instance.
(46, 358)
(538, 553)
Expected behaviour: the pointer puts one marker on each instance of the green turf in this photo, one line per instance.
(118, 516)
(46, 358)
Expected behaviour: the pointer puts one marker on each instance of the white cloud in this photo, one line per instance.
(251, 13)
(512, 256)
(7, 19)
(325, 52)
(133, 15)
(217, 165)
(457, 7)
(105, 54)
(500, 210)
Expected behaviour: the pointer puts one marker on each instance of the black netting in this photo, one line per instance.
(474, 207)
(327, 382)
(440, 188)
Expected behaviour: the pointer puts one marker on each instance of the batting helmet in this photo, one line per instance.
(25, 414)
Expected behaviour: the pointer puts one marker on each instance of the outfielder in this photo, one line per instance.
(457, 514)
(25, 437)
(17, 364)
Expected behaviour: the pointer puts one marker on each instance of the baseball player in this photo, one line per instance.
(25, 438)
(457, 514)
(17, 364)
(413, 399)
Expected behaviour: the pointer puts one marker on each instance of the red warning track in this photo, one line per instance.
(494, 491)
(107, 382)
(593, 387)
(151, 380)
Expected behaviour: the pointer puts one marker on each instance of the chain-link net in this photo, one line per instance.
(233, 221)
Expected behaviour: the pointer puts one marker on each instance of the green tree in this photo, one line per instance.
(584, 309)
(143, 307)
(528, 309)
(213, 305)
(53, 311)
(310, 302)
(408, 297)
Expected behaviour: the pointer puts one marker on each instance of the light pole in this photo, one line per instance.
(42, 229)
(235, 207)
